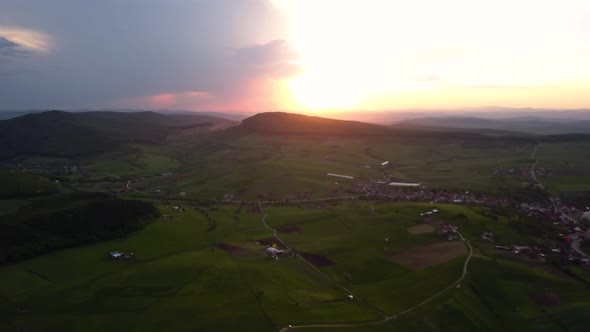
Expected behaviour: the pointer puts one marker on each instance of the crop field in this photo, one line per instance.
(428, 254)
(421, 229)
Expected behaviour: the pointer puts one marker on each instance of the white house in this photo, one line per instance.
(273, 251)
(116, 254)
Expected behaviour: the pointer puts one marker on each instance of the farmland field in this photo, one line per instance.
(181, 271)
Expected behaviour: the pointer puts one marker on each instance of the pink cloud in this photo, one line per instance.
(184, 100)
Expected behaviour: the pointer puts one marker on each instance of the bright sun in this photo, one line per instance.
(343, 56)
(378, 54)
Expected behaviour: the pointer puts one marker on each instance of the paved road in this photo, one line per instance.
(385, 318)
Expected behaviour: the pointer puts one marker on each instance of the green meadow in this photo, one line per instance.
(202, 266)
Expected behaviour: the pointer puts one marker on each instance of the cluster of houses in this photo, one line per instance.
(382, 191)
(569, 225)
(450, 230)
(522, 171)
(50, 169)
(177, 208)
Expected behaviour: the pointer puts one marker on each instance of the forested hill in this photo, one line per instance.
(67, 220)
(58, 133)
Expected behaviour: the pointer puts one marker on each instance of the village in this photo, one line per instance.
(568, 223)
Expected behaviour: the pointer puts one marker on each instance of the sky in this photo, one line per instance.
(311, 56)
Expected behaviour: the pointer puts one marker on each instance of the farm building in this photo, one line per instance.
(404, 184)
(116, 254)
(121, 255)
(274, 251)
(341, 176)
(487, 236)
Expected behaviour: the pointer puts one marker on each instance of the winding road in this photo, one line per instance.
(385, 318)
(533, 175)
(137, 191)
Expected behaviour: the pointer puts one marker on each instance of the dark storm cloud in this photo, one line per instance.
(103, 52)
(9, 48)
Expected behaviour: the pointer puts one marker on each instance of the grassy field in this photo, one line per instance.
(195, 273)
(203, 266)
(569, 164)
(250, 165)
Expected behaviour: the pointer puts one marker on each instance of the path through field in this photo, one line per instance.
(385, 318)
(137, 191)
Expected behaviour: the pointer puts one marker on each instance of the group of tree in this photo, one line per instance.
(69, 220)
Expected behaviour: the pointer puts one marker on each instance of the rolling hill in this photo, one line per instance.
(297, 124)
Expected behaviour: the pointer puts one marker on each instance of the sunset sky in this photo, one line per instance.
(311, 56)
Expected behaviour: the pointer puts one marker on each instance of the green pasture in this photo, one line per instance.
(569, 164)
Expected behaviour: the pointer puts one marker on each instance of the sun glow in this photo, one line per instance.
(343, 62)
(376, 54)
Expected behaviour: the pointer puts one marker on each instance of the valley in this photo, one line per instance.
(480, 243)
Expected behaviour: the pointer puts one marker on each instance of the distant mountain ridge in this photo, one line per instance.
(527, 124)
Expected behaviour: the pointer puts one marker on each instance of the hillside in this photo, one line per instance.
(62, 221)
(57, 133)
